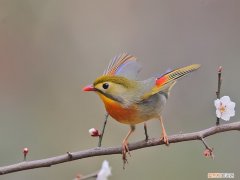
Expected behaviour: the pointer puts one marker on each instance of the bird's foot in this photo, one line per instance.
(146, 138)
(125, 151)
(164, 138)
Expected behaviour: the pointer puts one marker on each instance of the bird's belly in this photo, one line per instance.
(136, 113)
(127, 115)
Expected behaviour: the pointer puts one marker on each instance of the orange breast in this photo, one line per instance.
(118, 112)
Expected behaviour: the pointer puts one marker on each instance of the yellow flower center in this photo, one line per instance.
(222, 108)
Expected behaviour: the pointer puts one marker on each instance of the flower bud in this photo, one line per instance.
(220, 69)
(208, 153)
(94, 132)
(25, 152)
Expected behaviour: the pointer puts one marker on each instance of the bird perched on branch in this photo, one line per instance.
(130, 101)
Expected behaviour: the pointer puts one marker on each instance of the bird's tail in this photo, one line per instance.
(168, 80)
(171, 77)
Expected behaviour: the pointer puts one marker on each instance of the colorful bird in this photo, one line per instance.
(130, 101)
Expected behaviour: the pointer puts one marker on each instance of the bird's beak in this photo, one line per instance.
(89, 88)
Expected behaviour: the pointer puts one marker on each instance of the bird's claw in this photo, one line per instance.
(146, 138)
(125, 151)
(164, 138)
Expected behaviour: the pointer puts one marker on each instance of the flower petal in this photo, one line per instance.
(225, 116)
(225, 99)
(218, 113)
(231, 112)
(231, 105)
(105, 171)
(217, 103)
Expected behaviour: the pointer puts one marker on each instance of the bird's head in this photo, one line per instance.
(116, 88)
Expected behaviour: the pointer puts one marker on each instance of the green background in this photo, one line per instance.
(50, 49)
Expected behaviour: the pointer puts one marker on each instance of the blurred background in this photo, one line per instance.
(50, 49)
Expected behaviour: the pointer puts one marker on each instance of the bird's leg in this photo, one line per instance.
(125, 148)
(103, 129)
(164, 137)
(145, 130)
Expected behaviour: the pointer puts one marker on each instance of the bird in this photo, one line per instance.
(131, 101)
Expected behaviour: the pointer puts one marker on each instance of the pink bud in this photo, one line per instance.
(208, 153)
(220, 69)
(94, 132)
(25, 152)
(78, 177)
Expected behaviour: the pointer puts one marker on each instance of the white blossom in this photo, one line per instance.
(105, 171)
(224, 108)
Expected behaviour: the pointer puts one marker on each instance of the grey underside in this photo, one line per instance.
(153, 106)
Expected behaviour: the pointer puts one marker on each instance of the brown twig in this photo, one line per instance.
(117, 150)
(103, 129)
(219, 88)
(205, 143)
(89, 176)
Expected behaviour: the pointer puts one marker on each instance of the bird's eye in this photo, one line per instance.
(105, 85)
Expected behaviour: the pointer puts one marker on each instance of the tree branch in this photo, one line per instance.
(219, 88)
(100, 151)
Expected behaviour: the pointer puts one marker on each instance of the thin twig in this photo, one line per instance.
(205, 143)
(103, 129)
(117, 150)
(219, 88)
(89, 176)
(94, 175)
